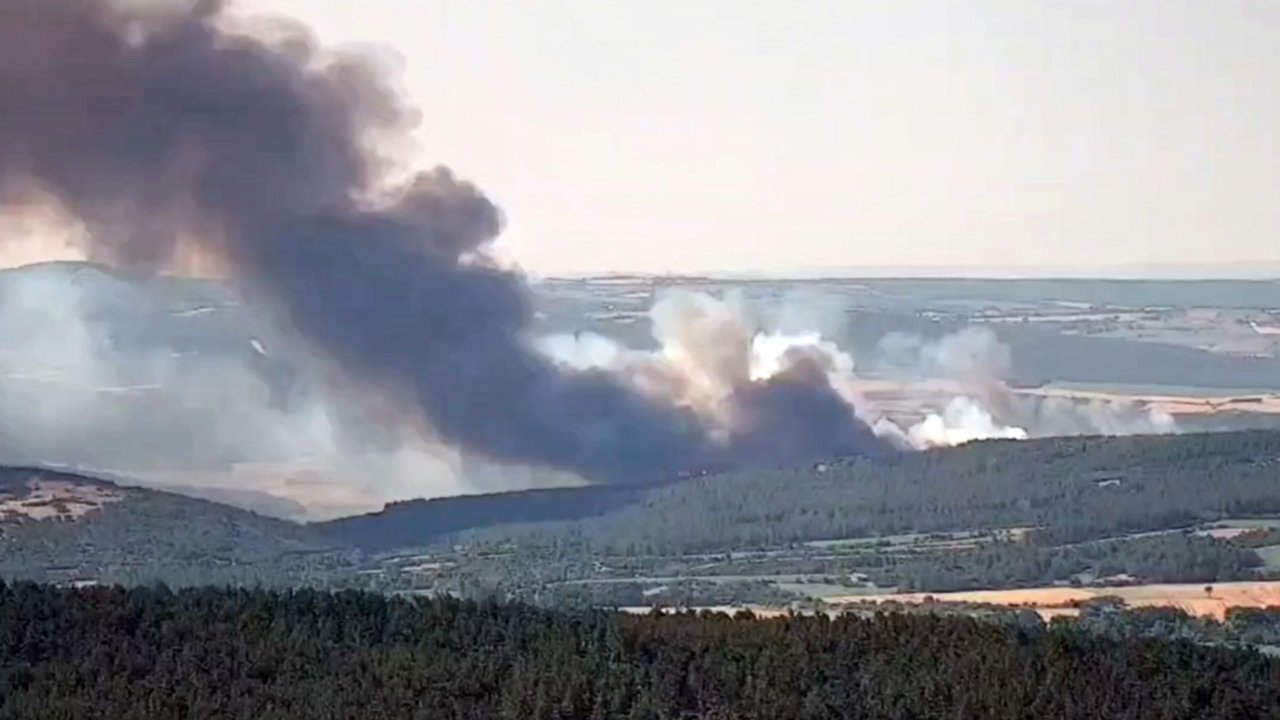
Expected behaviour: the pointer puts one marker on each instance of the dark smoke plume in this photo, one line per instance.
(161, 131)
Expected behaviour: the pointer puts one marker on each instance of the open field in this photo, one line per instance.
(55, 499)
(1193, 599)
(1260, 523)
(1223, 533)
(1271, 556)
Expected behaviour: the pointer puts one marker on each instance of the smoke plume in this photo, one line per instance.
(168, 137)
(970, 369)
(768, 396)
(926, 393)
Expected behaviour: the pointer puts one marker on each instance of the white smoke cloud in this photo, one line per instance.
(956, 385)
(974, 367)
(708, 349)
(963, 420)
(974, 355)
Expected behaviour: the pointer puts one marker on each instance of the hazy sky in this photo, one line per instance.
(677, 135)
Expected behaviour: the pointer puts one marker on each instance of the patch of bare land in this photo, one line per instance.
(908, 396)
(46, 499)
(1194, 598)
(1223, 533)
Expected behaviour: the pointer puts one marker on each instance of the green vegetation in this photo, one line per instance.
(154, 653)
(987, 515)
(1170, 557)
(1242, 627)
(1073, 489)
(792, 577)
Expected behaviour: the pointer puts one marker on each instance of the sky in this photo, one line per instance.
(846, 136)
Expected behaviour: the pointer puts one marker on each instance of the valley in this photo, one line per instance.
(282, 493)
(1081, 516)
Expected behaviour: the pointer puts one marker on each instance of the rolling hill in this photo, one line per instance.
(68, 528)
(1091, 501)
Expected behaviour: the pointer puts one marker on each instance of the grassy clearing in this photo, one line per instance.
(1271, 556)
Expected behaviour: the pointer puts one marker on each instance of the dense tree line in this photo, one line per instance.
(1242, 626)
(154, 653)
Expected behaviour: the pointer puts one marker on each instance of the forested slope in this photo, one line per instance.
(1072, 488)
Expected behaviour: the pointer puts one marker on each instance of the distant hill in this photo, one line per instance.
(68, 528)
(1073, 488)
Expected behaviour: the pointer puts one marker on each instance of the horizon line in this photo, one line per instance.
(1256, 271)
(1260, 271)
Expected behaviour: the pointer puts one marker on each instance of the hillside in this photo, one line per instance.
(67, 528)
(1075, 488)
(1084, 511)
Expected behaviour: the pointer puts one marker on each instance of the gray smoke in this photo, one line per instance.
(169, 137)
(175, 386)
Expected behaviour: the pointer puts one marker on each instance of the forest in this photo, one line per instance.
(156, 653)
(1073, 489)
(1092, 511)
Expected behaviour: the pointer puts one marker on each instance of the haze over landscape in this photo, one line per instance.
(862, 330)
